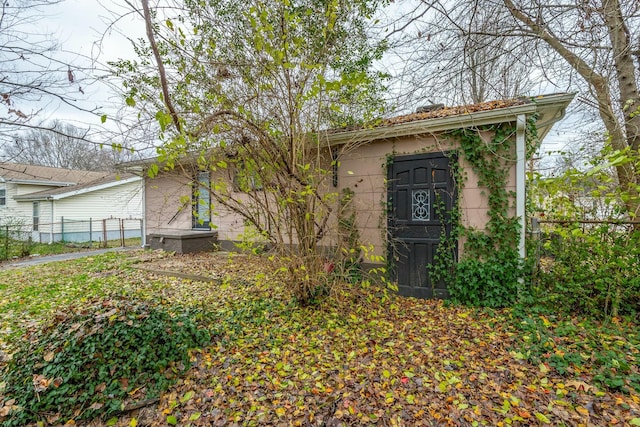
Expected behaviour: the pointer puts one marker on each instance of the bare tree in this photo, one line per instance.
(449, 53)
(240, 90)
(63, 146)
(34, 78)
(483, 48)
(599, 42)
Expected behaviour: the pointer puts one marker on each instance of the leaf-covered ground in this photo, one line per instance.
(358, 358)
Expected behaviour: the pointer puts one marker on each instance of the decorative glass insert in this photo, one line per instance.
(420, 205)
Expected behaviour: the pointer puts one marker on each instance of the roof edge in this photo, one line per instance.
(72, 192)
(39, 182)
(550, 104)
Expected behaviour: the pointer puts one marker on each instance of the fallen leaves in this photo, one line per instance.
(358, 359)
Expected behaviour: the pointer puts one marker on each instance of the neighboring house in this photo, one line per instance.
(40, 199)
(396, 171)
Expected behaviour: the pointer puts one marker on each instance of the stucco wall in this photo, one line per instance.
(362, 169)
(163, 206)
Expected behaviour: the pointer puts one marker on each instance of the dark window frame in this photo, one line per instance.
(200, 205)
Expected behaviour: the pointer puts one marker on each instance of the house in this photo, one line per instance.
(50, 204)
(407, 174)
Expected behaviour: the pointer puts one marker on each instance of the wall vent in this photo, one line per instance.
(429, 108)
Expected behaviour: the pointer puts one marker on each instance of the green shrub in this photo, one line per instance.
(87, 364)
(493, 282)
(593, 272)
(15, 240)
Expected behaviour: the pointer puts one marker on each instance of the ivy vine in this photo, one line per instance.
(491, 271)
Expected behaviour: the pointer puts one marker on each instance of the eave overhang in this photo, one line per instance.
(550, 109)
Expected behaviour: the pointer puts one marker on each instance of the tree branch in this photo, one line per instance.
(161, 70)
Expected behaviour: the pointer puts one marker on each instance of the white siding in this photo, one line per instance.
(14, 211)
(121, 201)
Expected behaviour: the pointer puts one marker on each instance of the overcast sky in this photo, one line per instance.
(87, 40)
(82, 28)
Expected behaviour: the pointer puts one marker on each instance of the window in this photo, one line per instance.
(421, 205)
(3, 197)
(246, 177)
(202, 201)
(36, 215)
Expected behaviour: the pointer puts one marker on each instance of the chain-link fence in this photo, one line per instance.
(17, 237)
(92, 230)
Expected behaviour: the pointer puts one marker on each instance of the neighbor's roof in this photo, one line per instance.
(43, 175)
(106, 181)
(550, 109)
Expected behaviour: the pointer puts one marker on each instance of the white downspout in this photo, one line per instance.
(521, 126)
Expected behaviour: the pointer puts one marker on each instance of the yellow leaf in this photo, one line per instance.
(582, 411)
(542, 418)
(580, 385)
(280, 411)
(133, 422)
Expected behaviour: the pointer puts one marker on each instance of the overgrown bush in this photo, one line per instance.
(591, 271)
(491, 282)
(96, 361)
(15, 240)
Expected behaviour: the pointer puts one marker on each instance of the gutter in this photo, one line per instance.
(41, 182)
(71, 192)
(430, 125)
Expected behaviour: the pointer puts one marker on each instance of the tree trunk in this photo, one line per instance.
(629, 99)
(622, 135)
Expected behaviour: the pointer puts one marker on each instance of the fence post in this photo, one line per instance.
(90, 232)
(535, 228)
(121, 232)
(104, 233)
(62, 229)
(142, 236)
(6, 242)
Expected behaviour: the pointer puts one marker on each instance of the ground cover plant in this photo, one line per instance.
(359, 357)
